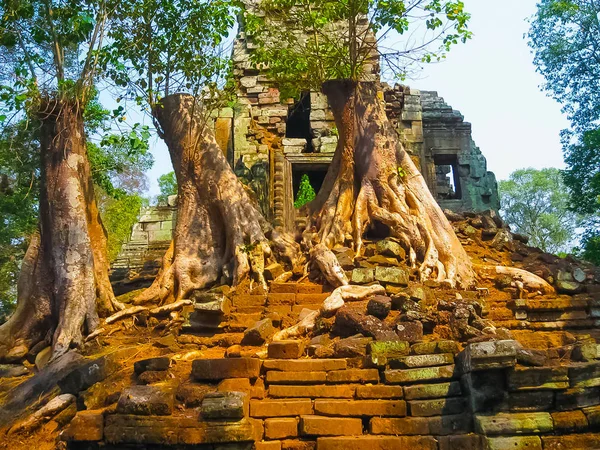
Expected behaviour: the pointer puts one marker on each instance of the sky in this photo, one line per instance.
(492, 81)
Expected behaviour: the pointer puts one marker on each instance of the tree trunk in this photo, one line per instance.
(64, 278)
(373, 179)
(219, 228)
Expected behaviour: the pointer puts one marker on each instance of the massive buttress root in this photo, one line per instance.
(63, 284)
(219, 227)
(373, 179)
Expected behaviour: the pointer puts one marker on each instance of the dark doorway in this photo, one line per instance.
(315, 172)
(298, 121)
(447, 178)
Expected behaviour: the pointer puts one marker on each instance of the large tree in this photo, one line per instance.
(565, 39)
(49, 51)
(333, 46)
(536, 204)
(171, 60)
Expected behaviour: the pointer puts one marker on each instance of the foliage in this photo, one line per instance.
(565, 39)
(536, 203)
(167, 184)
(311, 47)
(305, 194)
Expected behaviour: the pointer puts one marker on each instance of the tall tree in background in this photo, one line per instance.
(49, 53)
(332, 46)
(536, 203)
(565, 38)
(170, 59)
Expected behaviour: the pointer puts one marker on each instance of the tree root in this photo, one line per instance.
(329, 266)
(530, 281)
(342, 294)
(300, 329)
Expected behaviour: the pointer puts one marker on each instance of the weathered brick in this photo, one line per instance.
(529, 401)
(513, 443)
(314, 391)
(220, 369)
(143, 365)
(224, 405)
(281, 299)
(379, 392)
(438, 426)
(489, 355)
(283, 288)
(577, 398)
(593, 416)
(280, 408)
(285, 349)
(537, 378)
(393, 408)
(569, 421)
(437, 407)
(85, 426)
(304, 365)
(423, 374)
(377, 443)
(268, 445)
(438, 390)
(460, 442)
(353, 376)
(278, 377)
(580, 374)
(281, 428)
(415, 361)
(249, 300)
(310, 288)
(517, 423)
(330, 426)
(311, 299)
(145, 400)
(298, 445)
(572, 442)
(380, 353)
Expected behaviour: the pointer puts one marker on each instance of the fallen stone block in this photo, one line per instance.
(145, 401)
(224, 405)
(379, 306)
(220, 369)
(351, 347)
(286, 349)
(511, 424)
(155, 364)
(86, 426)
(153, 376)
(363, 276)
(259, 333)
(393, 275)
(191, 395)
(410, 331)
(12, 370)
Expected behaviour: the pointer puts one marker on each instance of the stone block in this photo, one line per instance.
(410, 426)
(267, 445)
(389, 247)
(415, 375)
(311, 299)
(537, 378)
(529, 401)
(593, 416)
(460, 442)
(380, 353)
(224, 406)
(330, 426)
(577, 398)
(298, 445)
(394, 275)
(511, 424)
(429, 391)
(410, 331)
(581, 373)
(314, 391)
(277, 377)
(379, 392)
(572, 442)
(569, 421)
(377, 443)
(379, 306)
(283, 288)
(85, 426)
(220, 369)
(153, 376)
(281, 428)
(416, 361)
(304, 365)
(392, 408)
(437, 407)
(513, 443)
(259, 333)
(286, 349)
(145, 401)
(155, 364)
(489, 355)
(363, 276)
(353, 376)
(426, 348)
(191, 395)
(280, 408)
(351, 347)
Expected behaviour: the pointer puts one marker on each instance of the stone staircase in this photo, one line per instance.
(421, 396)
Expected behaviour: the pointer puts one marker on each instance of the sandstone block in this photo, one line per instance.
(314, 391)
(379, 306)
(281, 299)
(311, 299)
(85, 426)
(363, 276)
(593, 416)
(219, 369)
(277, 377)
(280, 408)
(379, 392)
(394, 275)
(304, 365)
(572, 442)
(410, 331)
(415, 375)
(437, 407)
(538, 378)
(425, 348)
(224, 405)
(267, 445)
(286, 349)
(191, 395)
(298, 445)
(427, 391)
(415, 361)
(460, 442)
(353, 376)
(517, 423)
(513, 443)
(330, 426)
(283, 288)
(153, 376)
(577, 398)
(392, 408)
(145, 401)
(380, 353)
(569, 421)
(377, 443)
(411, 426)
(579, 373)
(489, 355)
(530, 401)
(310, 288)
(259, 332)
(156, 364)
(389, 247)
(281, 428)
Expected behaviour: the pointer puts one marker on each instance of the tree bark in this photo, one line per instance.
(219, 228)
(63, 282)
(373, 179)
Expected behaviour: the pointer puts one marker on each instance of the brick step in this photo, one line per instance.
(557, 304)
(377, 443)
(547, 326)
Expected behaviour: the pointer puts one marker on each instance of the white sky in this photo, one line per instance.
(491, 80)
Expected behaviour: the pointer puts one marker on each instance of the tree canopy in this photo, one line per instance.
(536, 203)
